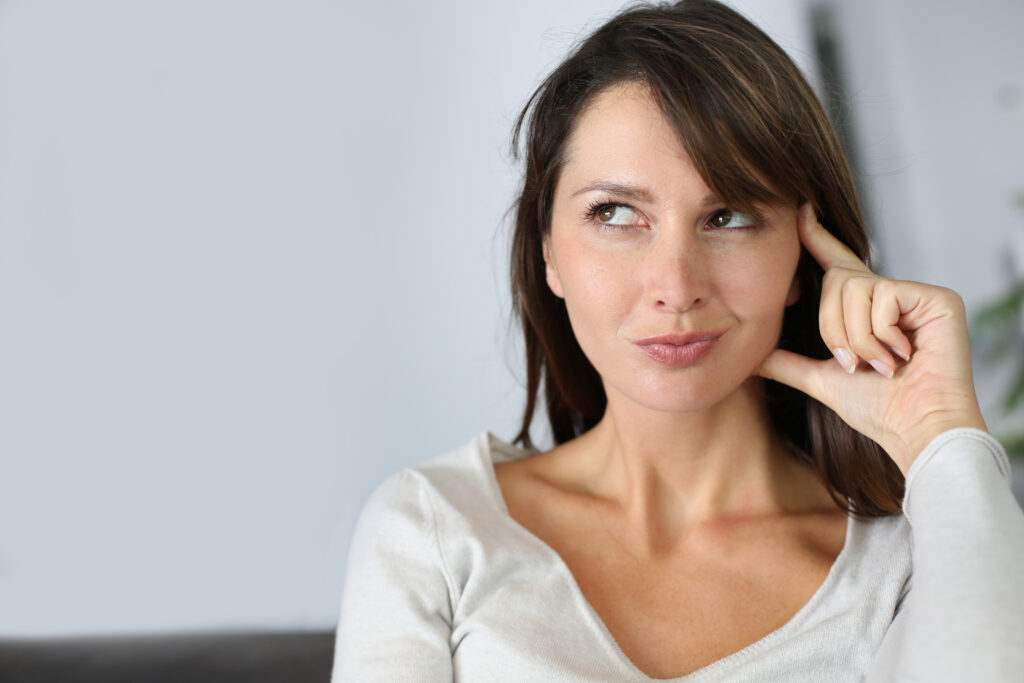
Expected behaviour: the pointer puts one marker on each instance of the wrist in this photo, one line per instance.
(915, 441)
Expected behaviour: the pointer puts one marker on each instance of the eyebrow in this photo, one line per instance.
(634, 193)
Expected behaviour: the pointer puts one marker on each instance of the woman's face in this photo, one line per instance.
(640, 248)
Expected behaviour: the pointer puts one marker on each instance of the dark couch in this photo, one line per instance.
(193, 658)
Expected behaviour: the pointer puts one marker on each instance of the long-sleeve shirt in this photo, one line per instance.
(444, 585)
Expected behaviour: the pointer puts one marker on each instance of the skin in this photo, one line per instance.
(682, 498)
(677, 446)
(914, 393)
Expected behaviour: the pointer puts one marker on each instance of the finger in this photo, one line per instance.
(794, 370)
(857, 316)
(825, 247)
(885, 317)
(830, 319)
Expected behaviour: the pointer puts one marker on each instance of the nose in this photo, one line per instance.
(676, 273)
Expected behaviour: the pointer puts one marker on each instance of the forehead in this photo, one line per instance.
(623, 130)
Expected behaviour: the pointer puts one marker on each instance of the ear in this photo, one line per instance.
(794, 290)
(551, 271)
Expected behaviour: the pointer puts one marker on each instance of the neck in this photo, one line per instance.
(668, 472)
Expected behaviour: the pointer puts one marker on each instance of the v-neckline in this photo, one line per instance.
(508, 452)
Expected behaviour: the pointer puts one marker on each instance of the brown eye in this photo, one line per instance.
(617, 215)
(721, 218)
(731, 220)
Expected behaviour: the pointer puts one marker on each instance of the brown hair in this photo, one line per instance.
(746, 115)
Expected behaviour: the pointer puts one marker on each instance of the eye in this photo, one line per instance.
(727, 219)
(612, 217)
(614, 214)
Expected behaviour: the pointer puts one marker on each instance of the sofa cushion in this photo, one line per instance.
(192, 658)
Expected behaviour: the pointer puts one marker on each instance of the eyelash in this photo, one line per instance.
(597, 206)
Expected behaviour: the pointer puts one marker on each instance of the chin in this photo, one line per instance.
(682, 395)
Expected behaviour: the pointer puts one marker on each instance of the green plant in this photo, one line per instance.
(1000, 326)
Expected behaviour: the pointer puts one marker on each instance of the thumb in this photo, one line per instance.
(792, 369)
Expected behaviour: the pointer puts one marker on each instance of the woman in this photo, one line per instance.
(687, 228)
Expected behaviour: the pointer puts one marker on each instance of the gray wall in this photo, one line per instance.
(936, 91)
(252, 262)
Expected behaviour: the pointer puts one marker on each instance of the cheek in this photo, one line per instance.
(762, 285)
(598, 293)
(593, 291)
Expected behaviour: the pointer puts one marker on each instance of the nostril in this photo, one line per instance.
(661, 303)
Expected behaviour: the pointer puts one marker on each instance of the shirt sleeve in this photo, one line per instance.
(963, 619)
(396, 610)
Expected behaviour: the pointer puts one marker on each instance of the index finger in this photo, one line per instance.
(825, 247)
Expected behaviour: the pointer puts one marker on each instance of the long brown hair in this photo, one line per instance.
(756, 134)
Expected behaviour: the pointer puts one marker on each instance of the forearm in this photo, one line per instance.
(964, 618)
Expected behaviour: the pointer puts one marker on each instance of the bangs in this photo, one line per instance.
(742, 167)
(730, 116)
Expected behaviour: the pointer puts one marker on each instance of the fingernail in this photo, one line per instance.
(881, 367)
(902, 354)
(846, 359)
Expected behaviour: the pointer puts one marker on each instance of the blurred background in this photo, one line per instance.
(253, 260)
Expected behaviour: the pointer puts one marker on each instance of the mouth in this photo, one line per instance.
(679, 350)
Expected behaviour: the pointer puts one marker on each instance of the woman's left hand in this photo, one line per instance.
(915, 381)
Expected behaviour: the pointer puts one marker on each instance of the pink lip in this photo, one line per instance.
(679, 350)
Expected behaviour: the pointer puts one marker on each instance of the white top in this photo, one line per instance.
(444, 585)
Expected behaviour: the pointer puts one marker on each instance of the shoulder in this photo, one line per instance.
(878, 562)
(880, 537)
(457, 482)
(438, 518)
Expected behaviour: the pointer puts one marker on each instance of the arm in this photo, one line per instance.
(964, 617)
(902, 376)
(396, 611)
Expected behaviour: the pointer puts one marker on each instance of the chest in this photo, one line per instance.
(673, 619)
(697, 605)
